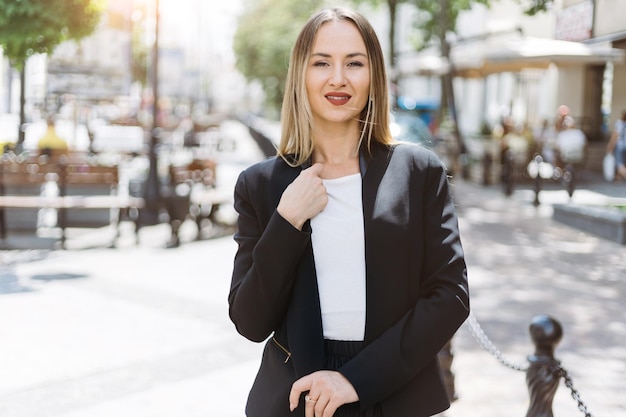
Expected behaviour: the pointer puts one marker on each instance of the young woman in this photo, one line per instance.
(349, 261)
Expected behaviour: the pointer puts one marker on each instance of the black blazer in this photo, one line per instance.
(416, 282)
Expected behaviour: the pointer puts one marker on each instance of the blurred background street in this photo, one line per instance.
(142, 330)
(124, 125)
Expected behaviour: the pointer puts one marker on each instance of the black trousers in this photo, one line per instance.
(337, 354)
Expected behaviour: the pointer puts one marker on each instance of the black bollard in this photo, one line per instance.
(487, 161)
(542, 382)
(62, 184)
(569, 179)
(508, 171)
(534, 170)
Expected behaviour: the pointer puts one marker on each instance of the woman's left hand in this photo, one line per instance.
(327, 391)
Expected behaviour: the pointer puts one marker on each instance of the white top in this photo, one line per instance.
(571, 143)
(339, 250)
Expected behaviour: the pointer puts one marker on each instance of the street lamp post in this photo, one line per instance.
(152, 192)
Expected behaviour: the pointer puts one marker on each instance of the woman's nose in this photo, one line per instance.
(338, 77)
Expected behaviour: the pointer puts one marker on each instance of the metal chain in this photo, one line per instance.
(484, 341)
(559, 371)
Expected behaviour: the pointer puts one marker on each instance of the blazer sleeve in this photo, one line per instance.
(269, 249)
(441, 305)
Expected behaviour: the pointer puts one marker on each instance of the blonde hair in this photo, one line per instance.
(296, 145)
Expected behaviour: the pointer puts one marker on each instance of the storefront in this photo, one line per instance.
(595, 24)
(543, 74)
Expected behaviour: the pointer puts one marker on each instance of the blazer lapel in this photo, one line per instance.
(372, 177)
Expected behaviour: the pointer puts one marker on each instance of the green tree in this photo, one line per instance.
(533, 7)
(139, 52)
(29, 27)
(263, 40)
(436, 21)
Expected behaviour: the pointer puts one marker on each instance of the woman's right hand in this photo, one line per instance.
(304, 198)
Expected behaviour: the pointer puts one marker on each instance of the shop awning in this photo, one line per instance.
(490, 56)
(426, 64)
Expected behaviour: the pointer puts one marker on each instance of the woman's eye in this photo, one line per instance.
(320, 64)
(355, 64)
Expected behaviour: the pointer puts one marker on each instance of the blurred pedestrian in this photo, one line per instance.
(617, 145)
(561, 113)
(545, 138)
(349, 259)
(515, 147)
(51, 142)
(571, 143)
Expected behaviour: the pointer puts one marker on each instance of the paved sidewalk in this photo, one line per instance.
(522, 263)
(142, 331)
(129, 332)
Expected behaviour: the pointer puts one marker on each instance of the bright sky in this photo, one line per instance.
(199, 22)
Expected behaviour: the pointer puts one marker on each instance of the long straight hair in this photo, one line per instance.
(296, 145)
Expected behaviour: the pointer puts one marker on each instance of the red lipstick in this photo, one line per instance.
(338, 99)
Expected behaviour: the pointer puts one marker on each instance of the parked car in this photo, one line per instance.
(408, 127)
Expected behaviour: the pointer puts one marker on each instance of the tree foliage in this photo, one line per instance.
(263, 40)
(533, 7)
(38, 26)
(438, 18)
(29, 27)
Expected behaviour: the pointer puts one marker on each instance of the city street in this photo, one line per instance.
(143, 331)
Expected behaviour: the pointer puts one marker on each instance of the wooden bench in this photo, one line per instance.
(21, 184)
(83, 185)
(193, 193)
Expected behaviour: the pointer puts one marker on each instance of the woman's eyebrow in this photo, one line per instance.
(351, 55)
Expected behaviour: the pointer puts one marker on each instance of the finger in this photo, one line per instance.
(310, 406)
(316, 168)
(301, 385)
(294, 399)
(328, 410)
(323, 408)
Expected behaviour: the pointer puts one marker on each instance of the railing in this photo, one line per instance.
(544, 371)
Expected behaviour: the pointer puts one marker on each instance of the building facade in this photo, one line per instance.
(509, 64)
(608, 26)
